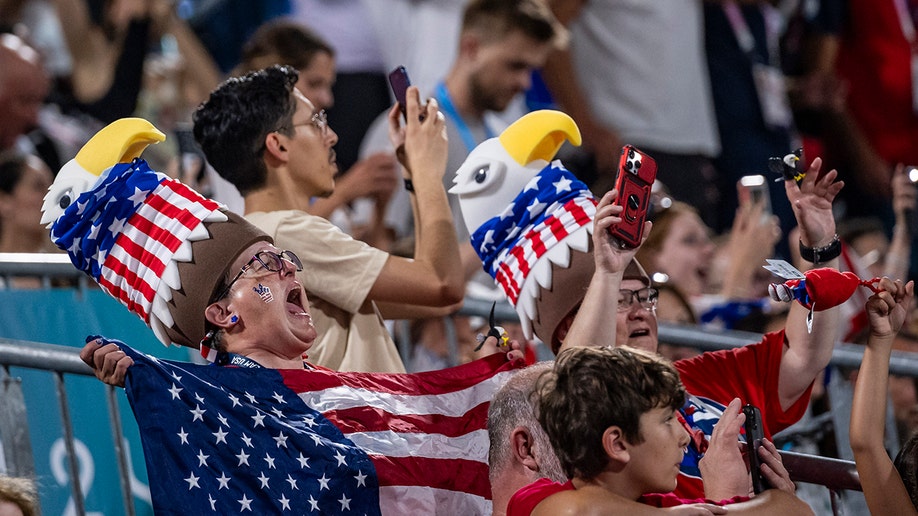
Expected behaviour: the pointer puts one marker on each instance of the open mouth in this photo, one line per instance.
(295, 305)
(643, 332)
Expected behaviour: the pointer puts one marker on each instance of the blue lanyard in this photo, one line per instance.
(446, 104)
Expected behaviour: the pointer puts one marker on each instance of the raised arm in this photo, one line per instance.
(809, 352)
(882, 485)
(898, 255)
(435, 275)
(596, 318)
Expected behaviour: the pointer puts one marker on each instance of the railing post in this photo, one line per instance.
(77, 488)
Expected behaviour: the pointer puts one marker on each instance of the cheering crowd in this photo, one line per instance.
(284, 255)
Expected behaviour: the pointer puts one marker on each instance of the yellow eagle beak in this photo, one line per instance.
(119, 142)
(539, 135)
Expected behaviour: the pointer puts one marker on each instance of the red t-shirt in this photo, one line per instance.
(524, 501)
(713, 379)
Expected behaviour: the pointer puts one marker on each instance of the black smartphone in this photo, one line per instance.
(399, 81)
(636, 174)
(754, 435)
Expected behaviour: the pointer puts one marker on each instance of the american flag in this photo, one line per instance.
(125, 230)
(551, 206)
(223, 440)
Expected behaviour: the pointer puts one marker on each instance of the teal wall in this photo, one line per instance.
(66, 317)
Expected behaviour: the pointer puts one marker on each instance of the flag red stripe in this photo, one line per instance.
(451, 474)
(429, 383)
(580, 215)
(537, 245)
(181, 215)
(122, 270)
(369, 419)
(163, 236)
(518, 252)
(511, 287)
(137, 251)
(184, 191)
(557, 228)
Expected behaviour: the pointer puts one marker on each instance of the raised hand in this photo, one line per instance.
(723, 468)
(609, 256)
(107, 361)
(811, 201)
(888, 309)
(773, 468)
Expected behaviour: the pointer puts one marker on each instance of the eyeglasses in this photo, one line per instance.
(320, 120)
(268, 260)
(647, 297)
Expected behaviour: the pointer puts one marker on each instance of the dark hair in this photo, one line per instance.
(907, 465)
(288, 42)
(231, 125)
(497, 18)
(591, 389)
(12, 168)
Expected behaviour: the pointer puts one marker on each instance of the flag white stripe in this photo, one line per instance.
(471, 446)
(402, 500)
(448, 404)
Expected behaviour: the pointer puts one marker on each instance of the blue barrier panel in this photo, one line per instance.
(66, 317)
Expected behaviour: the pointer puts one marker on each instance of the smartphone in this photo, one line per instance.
(754, 189)
(399, 81)
(754, 435)
(636, 174)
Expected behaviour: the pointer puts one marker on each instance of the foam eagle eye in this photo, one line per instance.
(66, 199)
(482, 174)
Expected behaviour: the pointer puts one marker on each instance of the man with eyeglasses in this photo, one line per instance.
(775, 375)
(263, 135)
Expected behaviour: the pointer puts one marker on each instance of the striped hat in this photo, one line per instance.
(530, 219)
(151, 242)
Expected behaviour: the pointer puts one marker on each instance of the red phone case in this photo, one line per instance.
(636, 174)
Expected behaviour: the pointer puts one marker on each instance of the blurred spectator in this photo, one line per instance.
(500, 44)
(674, 308)
(635, 72)
(431, 344)
(24, 181)
(110, 41)
(23, 88)
(754, 118)
(722, 283)
(374, 178)
(347, 26)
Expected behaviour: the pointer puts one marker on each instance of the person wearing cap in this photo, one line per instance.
(775, 374)
(261, 134)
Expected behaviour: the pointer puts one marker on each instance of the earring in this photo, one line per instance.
(234, 319)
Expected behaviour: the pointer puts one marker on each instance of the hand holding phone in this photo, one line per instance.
(636, 174)
(399, 81)
(754, 435)
(754, 190)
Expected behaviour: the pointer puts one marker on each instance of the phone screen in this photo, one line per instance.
(399, 81)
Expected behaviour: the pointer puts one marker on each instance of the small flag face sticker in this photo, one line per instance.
(264, 293)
